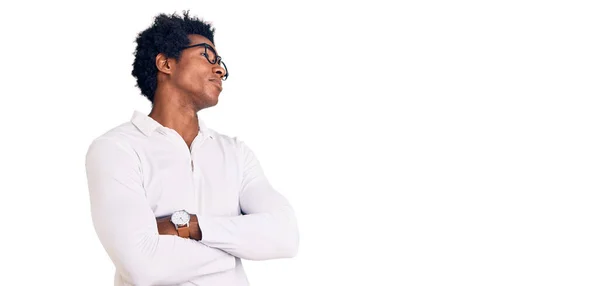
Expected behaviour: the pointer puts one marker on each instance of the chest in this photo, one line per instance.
(203, 181)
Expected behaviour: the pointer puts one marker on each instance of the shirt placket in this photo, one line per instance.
(196, 174)
(193, 170)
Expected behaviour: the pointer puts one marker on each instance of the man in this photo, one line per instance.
(174, 202)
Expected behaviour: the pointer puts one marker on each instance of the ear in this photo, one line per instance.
(164, 64)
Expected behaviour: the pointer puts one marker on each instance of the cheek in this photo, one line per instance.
(190, 79)
(197, 78)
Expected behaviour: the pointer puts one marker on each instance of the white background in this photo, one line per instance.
(421, 143)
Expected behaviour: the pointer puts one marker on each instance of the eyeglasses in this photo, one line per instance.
(211, 55)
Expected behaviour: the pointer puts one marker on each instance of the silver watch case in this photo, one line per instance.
(180, 218)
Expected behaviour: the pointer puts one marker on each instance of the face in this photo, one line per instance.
(198, 79)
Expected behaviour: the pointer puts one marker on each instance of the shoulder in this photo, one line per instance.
(227, 141)
(234, 145)
(237, 146)
(118, 140)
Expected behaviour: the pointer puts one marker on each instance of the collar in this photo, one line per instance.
(147, 125)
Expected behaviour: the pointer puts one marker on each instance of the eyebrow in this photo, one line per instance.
(201, 44)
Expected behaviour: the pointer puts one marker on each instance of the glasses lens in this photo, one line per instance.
(211, 55)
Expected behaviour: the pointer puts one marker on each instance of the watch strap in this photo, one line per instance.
(183, 231)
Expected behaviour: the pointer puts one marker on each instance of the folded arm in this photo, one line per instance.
(267, 229)
(127, 228)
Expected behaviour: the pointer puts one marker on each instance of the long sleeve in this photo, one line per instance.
(267, 229)
(126, 226)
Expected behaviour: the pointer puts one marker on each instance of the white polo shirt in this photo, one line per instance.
(141, 170)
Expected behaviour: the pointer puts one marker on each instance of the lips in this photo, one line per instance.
(217, 82)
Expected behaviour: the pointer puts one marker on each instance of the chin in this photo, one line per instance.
(213, 99)
(206, 99)
(212, 103)
(209, 101)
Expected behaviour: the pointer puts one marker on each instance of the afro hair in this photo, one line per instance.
(167, 35)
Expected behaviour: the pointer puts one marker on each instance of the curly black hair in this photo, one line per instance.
(167, 35)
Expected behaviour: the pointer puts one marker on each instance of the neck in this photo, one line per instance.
(171, 111)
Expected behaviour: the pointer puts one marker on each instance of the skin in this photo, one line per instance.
(184, 87)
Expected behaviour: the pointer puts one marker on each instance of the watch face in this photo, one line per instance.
(180, 217)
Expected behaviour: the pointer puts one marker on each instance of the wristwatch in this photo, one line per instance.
(181, 220)
(180, 223)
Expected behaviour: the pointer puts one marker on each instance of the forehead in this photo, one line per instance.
(197, 39)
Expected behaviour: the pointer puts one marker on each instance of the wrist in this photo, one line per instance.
(165, 226)
(195, 231)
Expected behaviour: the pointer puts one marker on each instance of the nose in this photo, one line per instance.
(220, 71)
